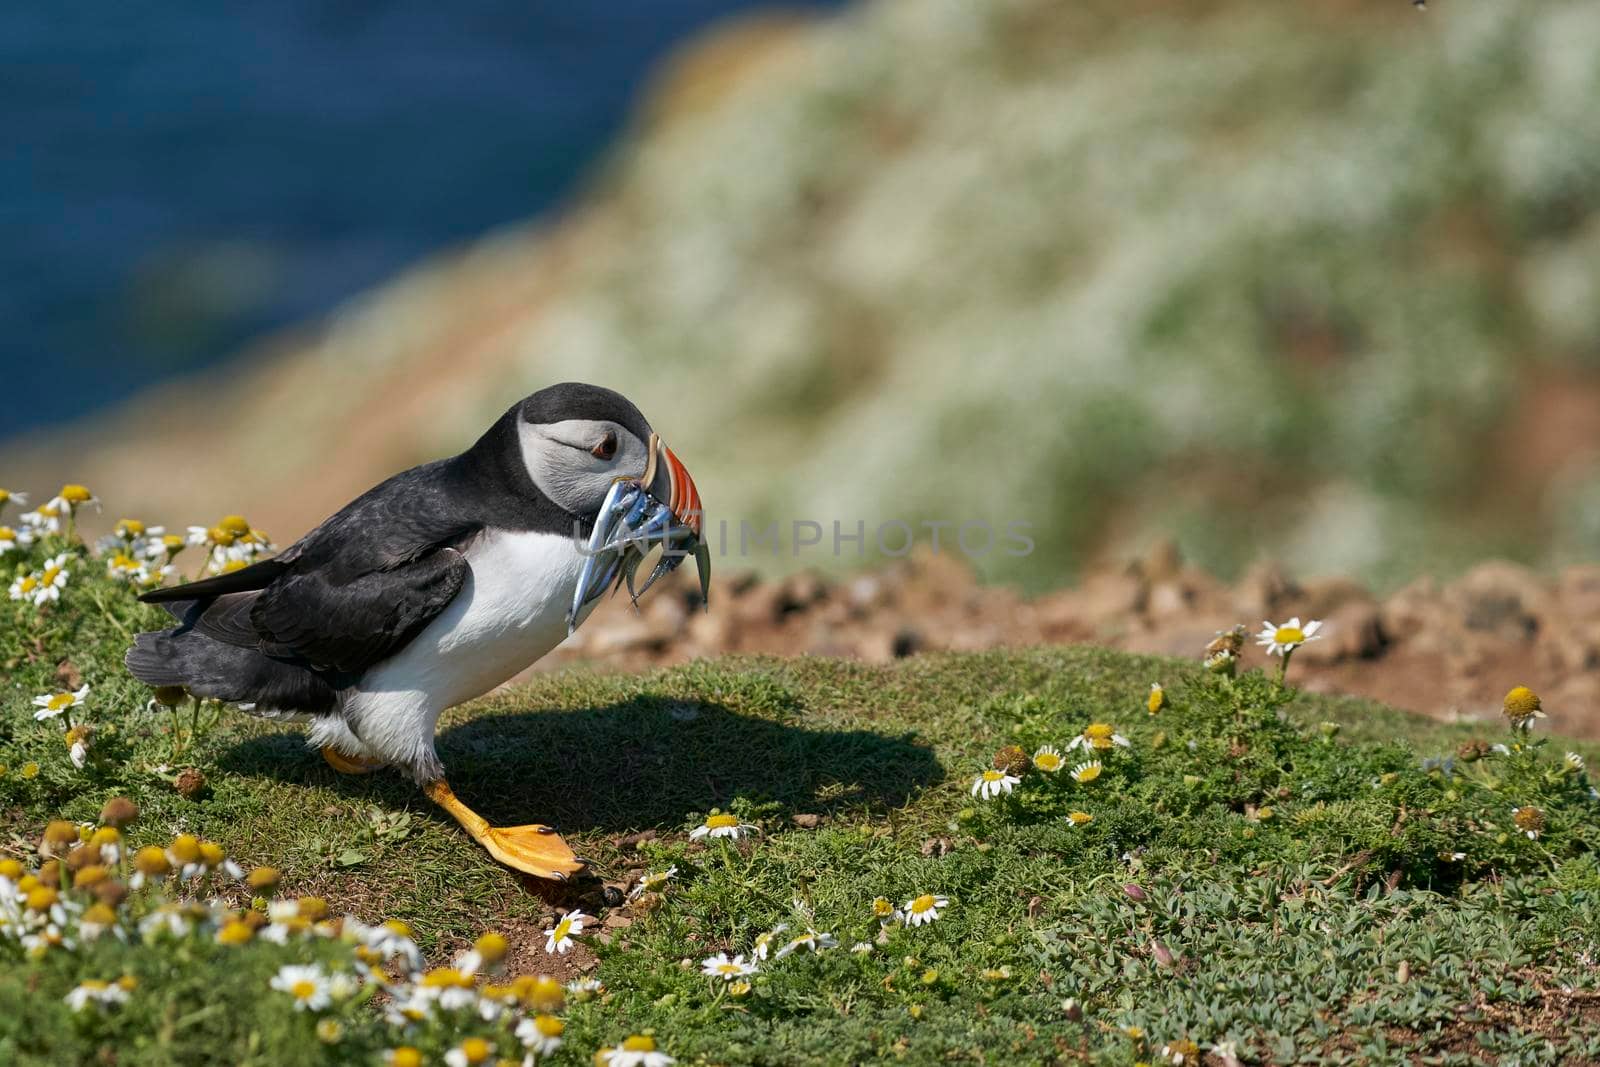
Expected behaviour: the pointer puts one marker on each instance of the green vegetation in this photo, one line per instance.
(1293, 877)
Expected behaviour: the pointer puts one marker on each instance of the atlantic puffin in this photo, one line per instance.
(434, 587)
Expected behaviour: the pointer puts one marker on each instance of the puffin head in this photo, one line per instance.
(577, 440)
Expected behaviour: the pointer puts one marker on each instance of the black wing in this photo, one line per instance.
(349, 594)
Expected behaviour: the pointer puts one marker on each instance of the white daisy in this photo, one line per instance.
(582, 989)
(558, 939)
(721, 826)
(52, 706)
(1048, 759)
(1281, 640)
(78, 746)
(1079, 818)
(721, 966)
(811, 939)
(924, 909)
(51, 579)
(92, 992)
(763, 943)
(541, 1034)
(11, 539)
(637, 1051)
(73, 497)
(9, 497)
(1086, 772)
(991, 783)
(163, 547)
(1100, 737)
(653, 882)
(306, 984)
(45, 519)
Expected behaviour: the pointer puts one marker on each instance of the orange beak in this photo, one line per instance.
(668, 480)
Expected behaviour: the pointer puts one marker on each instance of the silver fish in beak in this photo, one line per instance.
(660, 507)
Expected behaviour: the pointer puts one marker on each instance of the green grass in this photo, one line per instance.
(1337, 928)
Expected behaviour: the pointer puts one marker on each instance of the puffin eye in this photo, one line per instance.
(607, 446)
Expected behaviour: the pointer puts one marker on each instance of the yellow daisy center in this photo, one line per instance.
(563, 930)
(722, 822)
(1289, 635)
(50, 575)
(304, 989)
(130, 527)
(29, 584)
(234, 933)
(1099, 731)
(728, 968)
(1522, 701)
(186, 848)
(1047, 761)
(1528, 818)
(1080, 817)
(1088, 774)
(95, 985)
(475, 1049)
(7, 534)
(75, 494)
(993, 775)
(59, 701)
(922, 904)
(405, 1056)
(549, 1025)
(492, 947)
(639, 1043)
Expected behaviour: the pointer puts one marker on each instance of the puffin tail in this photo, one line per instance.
(208, 668)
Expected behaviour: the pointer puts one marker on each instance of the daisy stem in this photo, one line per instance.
(112, 619)
(1283, 668)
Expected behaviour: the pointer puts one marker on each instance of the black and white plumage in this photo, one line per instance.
(426, 591)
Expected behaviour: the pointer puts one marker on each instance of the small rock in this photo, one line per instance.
(806, 820)
(937, 846)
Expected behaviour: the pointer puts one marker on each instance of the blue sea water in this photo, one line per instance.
(179, 177)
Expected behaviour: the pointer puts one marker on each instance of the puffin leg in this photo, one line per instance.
(345, 764)
(534, 849)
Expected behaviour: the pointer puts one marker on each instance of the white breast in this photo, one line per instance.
(511, 610)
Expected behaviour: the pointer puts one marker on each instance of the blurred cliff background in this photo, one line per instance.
(1316, 282)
